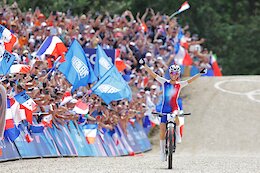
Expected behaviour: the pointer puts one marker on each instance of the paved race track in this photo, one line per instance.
(222, 135)
(148, 162)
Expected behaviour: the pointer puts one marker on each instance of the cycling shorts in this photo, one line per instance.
(164, 119)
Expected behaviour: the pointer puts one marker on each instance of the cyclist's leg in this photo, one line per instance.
(179, 123)
(179, 130)
(162, 137)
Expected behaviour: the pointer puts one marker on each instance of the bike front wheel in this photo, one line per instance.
(170, 146)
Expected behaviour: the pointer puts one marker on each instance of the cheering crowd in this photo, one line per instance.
(152, 36)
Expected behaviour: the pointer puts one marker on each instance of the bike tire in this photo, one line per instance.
(170, 147)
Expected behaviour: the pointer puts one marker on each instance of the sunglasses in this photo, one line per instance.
(174, 73)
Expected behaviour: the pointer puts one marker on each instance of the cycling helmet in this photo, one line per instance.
(175, 68)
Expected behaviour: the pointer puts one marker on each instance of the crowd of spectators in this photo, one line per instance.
(152, 36)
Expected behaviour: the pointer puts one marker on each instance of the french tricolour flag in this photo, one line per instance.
(81, 107)
(8, 38)
(184, 7)
(120, 65)
(20, 68)
(11, 130)
(214, 65)
(26, 101)
(90, 132)
(66, 98)
(9, 114)
(52, 45)
(182, 57)
(47, 121)
(131, 121)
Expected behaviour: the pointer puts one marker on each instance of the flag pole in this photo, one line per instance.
(174, 14)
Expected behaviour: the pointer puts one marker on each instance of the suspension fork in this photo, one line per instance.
(167, 137)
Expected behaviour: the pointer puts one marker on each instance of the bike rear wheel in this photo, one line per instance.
(170, 146)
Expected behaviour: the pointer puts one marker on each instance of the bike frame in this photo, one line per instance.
(170, 137)
(170, 124)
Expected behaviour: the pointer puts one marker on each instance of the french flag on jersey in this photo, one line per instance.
(52, 45)
(90, 132)
(11, 131)
(8, 38)
(20, 68)
(26, 101)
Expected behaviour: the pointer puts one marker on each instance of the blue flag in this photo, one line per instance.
(6, 61)
(102, 63)
(77, 68)
(112, 87)
(36, 128)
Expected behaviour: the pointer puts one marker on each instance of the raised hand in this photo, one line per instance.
(141, 61)
(204, 71)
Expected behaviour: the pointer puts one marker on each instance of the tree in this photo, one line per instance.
(231, 28)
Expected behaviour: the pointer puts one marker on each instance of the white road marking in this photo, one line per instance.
(249, 94)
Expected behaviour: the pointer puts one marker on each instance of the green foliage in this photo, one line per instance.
(231, 28)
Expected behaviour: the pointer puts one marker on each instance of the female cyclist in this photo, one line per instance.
(171, 92)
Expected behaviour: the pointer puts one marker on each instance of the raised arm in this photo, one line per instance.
(153, 74)
(203, 71)
(145, 14)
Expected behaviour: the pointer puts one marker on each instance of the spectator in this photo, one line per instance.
(154, 37)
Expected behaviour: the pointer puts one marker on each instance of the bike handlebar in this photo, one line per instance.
(162, 114)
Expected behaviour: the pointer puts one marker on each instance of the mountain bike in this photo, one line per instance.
(170, 135)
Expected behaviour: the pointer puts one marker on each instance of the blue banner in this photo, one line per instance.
(27, 150)
(70, 141)
(8, 150)
(143, 139)
(132, 140)
(91, 54)
(79, 140)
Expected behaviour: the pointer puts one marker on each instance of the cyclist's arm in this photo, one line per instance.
(194, 78)
(153, 74)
